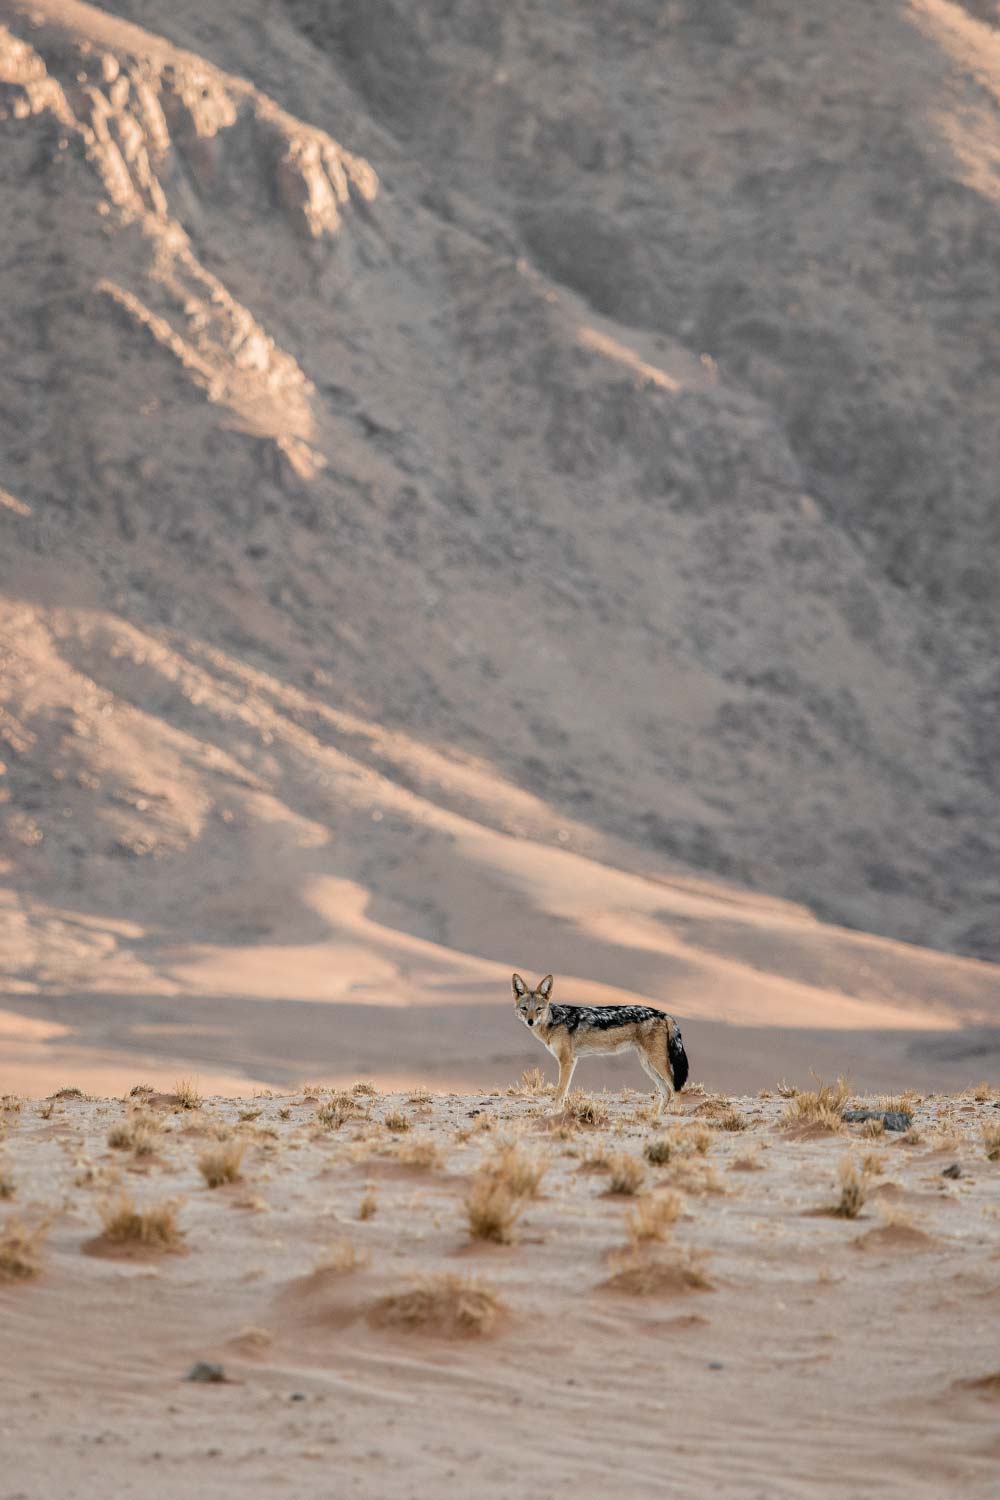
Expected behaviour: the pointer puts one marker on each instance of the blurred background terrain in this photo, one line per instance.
(490, 485)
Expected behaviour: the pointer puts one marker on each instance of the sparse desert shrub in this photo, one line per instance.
(904, 1103)
(533, 1082)
(19, 1250)
(642, 1274)
(695, 1088)
(820, 1108)
(652, 1218)
(10, 1104)
(154, 1226)
(991, 1142)
(339, 1107)
(140, 1090)
(626, 1174)
(853, 1190)
(596, 1158)
(368, 1205)
(364, 1090)
(518, 1169)
(447, 1304)
(72, 1092)
(659, 1151)
(731, 1119)
(186, 1095)
(492, 1209)
(246, 1115)
(397, 1122)
(872, 1129)
(421, 1151)
(585, 1109)
(340, 1257)
(911, 1137)
(693, 1139)
(420, 1096)
(46, 1111)
(746, 1162)
(7, 1185)
(221, 1163)
(873, 1164)
(982, 1092)
(786, 1090)
(138, 1133)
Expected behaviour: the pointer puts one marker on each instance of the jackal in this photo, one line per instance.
(573, 1031)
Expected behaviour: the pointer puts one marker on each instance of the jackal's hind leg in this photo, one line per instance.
(662, 1088)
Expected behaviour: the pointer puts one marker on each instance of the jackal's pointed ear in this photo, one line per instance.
(520, 988)
(545, 988)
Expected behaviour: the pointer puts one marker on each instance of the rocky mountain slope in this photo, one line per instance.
(429, 422)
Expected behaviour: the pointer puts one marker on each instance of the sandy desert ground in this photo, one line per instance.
(371, 1345)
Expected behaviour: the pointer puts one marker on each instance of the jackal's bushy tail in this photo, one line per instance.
(678, 1058)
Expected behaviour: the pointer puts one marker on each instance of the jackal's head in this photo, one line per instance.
(532, 1005)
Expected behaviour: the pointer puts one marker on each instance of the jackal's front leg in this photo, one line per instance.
(566, 1067)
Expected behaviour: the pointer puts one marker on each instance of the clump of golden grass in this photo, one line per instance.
(533, 1082)
(339, 1107)
(447, 1304)
(585, 1109)
(186, 1095)
(364, 1090)
(7, 1186)
(518, 1169)
(340, 1257)
(397, 1122)
(368, 1204)
(659, 1151)
(221, 1163)
(746, 1162)
(695, 1088)
(45, 1111)
(820, 1108)
(10, 1104)
(72, 1092)
(138, 1133)
(420, 1096)
(140, 1089)
(492, 1209)
(596, 1158)
(250, 1114)
(693, 1140)
(652, 1218)
(695, 1176)
(785, 1089)
(731, 1119)
(19, 1250)
(853, 1190)
(991, 1142)
(422, 1151)
(904, 1103)
(642, 1274)
(981, 1092)
(154, 1226)
(626, 1174)
(873, 1163)
(911, 1137)
(872, 1129)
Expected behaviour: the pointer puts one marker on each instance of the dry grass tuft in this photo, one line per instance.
(873, 1163)
(221, 1163)
(447, 1304)
(991, 1142)
(585, 1109)
(533, 1082)
(10, 1104)
(904, 1103)
(139, 1133)
(746, 1162)
(642, 1274)
(186, 1095)
(853, 1190)
(596, 1158)
(364, 1090)
(731, 1119)
(155, 1226)
(872, 1129)
(911, 1137)
(246, 1115)
(819, 1109)
(72, 1092)
(492, 1209)
(421, 1151)
(652, 1218)
(7, 1184)
(19, 1250)
(516, 1168)
(140, 1090)
(627, 1174)
(340, 1257)
(693, 1140)
(420, 1096)
(338, 1108)
(786, 1090)
(368, 1205)
(397, 1122)
(659, 1151)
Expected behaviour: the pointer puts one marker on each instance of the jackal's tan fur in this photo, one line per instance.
(574, 1031)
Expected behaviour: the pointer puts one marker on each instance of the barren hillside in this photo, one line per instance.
(470, 468)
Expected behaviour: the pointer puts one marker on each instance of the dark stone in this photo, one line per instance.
(953, 1171)
(206, 1373)
(895, 1119)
